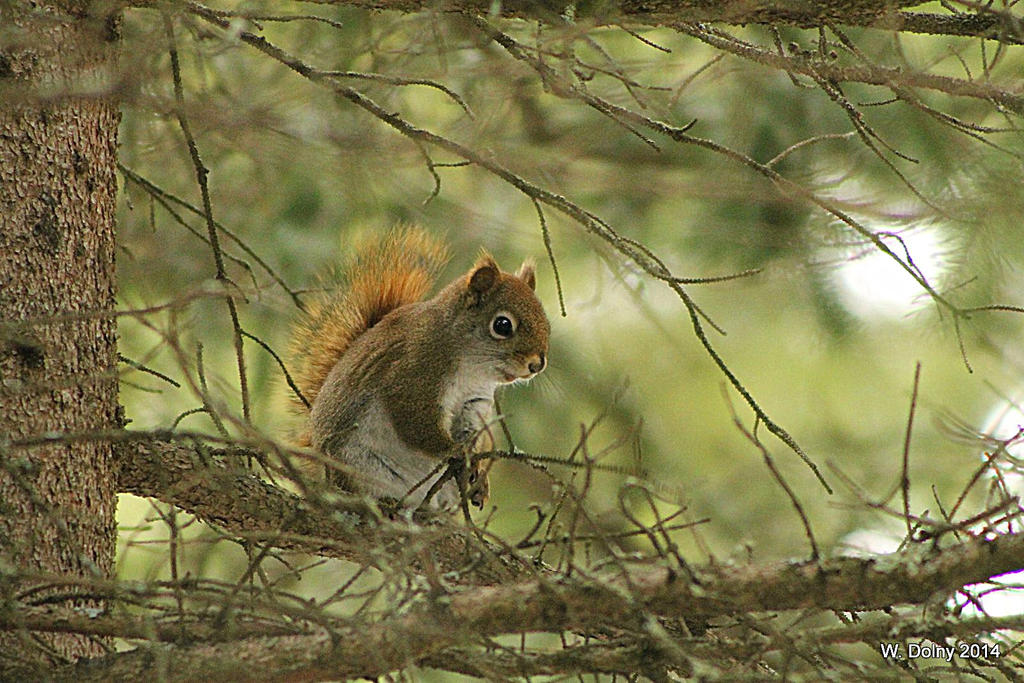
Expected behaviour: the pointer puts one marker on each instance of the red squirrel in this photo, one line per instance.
(399, 384)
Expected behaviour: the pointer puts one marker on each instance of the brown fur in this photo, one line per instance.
(378, 278)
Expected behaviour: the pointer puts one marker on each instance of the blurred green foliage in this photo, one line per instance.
(295, 172)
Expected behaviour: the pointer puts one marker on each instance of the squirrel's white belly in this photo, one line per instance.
(387, 468)
(467, 405)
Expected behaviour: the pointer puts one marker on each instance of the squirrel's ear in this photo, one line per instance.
(528, 274)
(484, 275)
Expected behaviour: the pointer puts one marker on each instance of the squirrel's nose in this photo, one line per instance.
(538, 364)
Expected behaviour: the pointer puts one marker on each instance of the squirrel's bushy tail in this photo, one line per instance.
(377, 277)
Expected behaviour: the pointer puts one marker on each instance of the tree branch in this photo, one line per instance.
(203, 482)
(252, 507)
(984, 22)
(627, 599)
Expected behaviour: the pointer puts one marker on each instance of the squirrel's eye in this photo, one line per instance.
(502, 326)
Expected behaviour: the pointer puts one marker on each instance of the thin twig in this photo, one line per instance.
(201, 178)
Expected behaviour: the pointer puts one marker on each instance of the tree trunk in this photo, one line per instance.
(58, 354)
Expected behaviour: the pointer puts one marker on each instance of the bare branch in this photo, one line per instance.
(371, 650)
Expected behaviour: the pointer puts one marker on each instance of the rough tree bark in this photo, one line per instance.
(58, 350)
